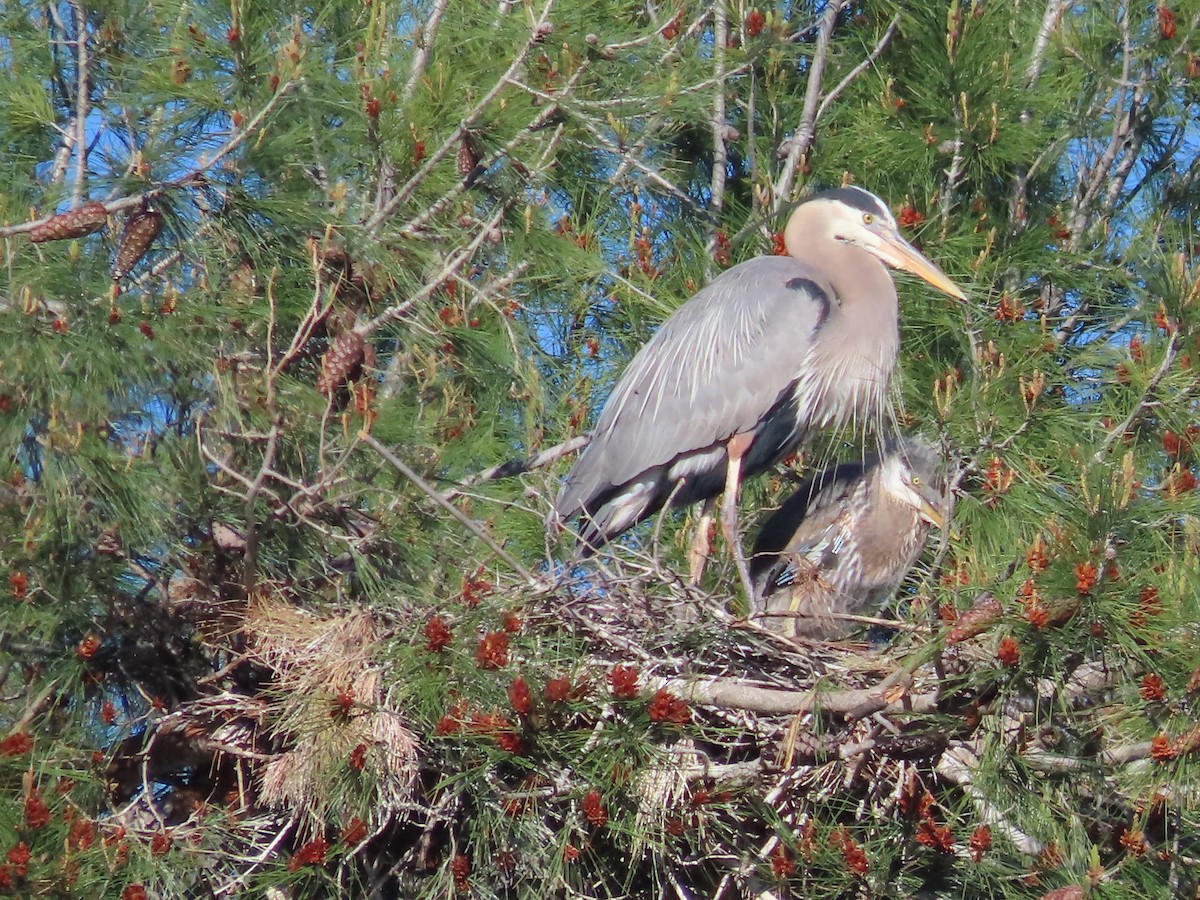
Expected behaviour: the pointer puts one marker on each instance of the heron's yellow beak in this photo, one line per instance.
(899, 253)
(931, 514)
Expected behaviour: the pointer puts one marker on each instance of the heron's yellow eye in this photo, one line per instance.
(916, 481)
(868, 218)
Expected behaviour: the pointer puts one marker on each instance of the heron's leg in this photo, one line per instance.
(701, 543)
(736, 448)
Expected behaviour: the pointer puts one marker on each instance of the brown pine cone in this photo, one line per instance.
(341, 363)
(982, 615)
(85, 219)
(468, 156)
(243, 282)
(141, 228)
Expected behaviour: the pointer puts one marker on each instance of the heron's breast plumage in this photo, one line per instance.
(844, 377)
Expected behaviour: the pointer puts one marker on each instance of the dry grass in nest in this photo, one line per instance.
(332, 713)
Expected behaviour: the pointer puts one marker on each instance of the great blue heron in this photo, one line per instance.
(843, 542)
(736, 377)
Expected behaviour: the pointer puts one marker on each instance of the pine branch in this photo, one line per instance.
(385, 212)
(515, 467)
(474, 527)
(796, 146)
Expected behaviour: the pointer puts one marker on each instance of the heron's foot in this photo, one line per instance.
(729, 524)
(701, 547)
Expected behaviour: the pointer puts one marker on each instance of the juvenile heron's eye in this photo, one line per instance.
(868, 218)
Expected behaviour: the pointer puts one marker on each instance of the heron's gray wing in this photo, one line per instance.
(713, 369)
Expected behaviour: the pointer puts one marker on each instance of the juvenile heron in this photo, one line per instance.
(736, 377)
(843, 542)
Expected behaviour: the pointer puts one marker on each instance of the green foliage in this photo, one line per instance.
(449, 226)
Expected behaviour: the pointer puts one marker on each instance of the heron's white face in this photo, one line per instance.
(906, 487)
(875, 231)
(854, 226)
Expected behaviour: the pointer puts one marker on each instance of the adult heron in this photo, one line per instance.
(737, 376)
(843, 542)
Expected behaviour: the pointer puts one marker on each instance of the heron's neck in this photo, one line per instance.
(863, 284)
(853, 360)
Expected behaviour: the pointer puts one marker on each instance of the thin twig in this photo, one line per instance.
(415, 225)
(81, 102)
(470, 524)
(1143, 403)
(266, 854)
(452, 141)
(515, 467)
(828, 99)
(248, 129)
(456, 262)
(802, 139)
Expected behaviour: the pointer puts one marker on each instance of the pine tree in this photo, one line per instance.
(304, 315)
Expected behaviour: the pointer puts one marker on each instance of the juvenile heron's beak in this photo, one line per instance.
(931, 513)
(900, 254)
(931, 505)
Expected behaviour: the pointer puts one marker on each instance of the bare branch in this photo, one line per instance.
(719, 124)
(1037, 58)
(802, 139)
(62, 157)
(732, 694)
(828, 99)
(515, 467)
(424, 44)
(958, 765)
(470, 524)
(82, 106)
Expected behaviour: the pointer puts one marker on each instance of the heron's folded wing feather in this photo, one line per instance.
(712, 370)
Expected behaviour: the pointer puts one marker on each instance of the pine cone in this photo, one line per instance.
(982, 615)
(468, 156)
(85, 219)
(341, 363)
(243, 282)
(334, 260)
(141, 228)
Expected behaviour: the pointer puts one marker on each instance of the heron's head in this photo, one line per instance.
(850, 215)
(911, 476)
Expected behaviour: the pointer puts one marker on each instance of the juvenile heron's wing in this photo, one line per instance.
(810, 526)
